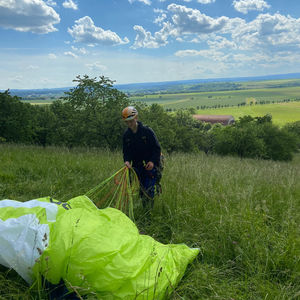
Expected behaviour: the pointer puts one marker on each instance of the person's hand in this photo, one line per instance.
(149, 166)
(127, 164)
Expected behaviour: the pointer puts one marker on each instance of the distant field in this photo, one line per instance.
(269, 83)
(39, 101)
(235, 97)
(282, 112)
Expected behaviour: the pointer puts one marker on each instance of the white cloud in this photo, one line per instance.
(33, 67)
(96, 66)
(86, 32)
(244, 6)
(46, 80)
(71, 54)
(51, 3)
(160, 19)
(144, 39)
(214, 55)
(157, 10)
(188, 20)
(83, 51)
(206, 1)
(179, 40)
(28, 16)
(67, 42)
(52, 56)
(199, 69)
(70, 4)
(229, 58)
(148, 2)
(268, 32)
(221, 42)
(17, 78)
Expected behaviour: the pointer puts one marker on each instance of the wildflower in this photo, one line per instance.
(234, 242)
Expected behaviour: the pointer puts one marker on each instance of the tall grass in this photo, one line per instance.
(244, 215)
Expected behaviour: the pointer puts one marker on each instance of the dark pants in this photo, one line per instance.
(147, 181)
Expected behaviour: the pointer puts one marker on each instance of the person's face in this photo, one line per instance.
(131, 123)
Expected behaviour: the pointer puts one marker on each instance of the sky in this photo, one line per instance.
(46, 44)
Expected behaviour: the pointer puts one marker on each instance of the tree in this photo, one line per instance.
(239, 141)
(45, 123)
(280, 143)
(256, 137)
(96, 112)
(17, 123)
(294, 128)
(89, 93)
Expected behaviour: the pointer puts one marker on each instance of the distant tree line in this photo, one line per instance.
(89, 115)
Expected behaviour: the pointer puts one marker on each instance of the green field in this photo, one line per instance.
(186, 100)
(282, 113)
(244, 215)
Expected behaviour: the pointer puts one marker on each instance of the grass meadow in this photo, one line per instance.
(244, 215)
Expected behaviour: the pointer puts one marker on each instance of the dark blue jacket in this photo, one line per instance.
(141, 146)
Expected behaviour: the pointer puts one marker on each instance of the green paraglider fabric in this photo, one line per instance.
(97, 251)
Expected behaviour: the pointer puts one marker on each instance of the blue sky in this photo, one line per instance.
(46, 44)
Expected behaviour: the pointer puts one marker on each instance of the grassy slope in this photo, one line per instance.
(242, 214)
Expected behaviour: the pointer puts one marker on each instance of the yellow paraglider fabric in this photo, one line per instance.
(94, 251)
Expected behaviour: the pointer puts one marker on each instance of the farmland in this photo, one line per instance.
(282, 113)
(185, 100)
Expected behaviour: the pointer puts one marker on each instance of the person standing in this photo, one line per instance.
(141, 151)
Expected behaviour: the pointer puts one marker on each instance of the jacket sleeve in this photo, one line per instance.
(155, 147)
(127, 155)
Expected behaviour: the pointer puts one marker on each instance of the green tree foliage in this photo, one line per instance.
(96, 107)
(294, 128)
(44, 124)
(280, 143)
(255, 138)
(17, 123)
(239, 141)
(90, 115)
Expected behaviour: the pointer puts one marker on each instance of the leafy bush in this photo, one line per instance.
(256, 138)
